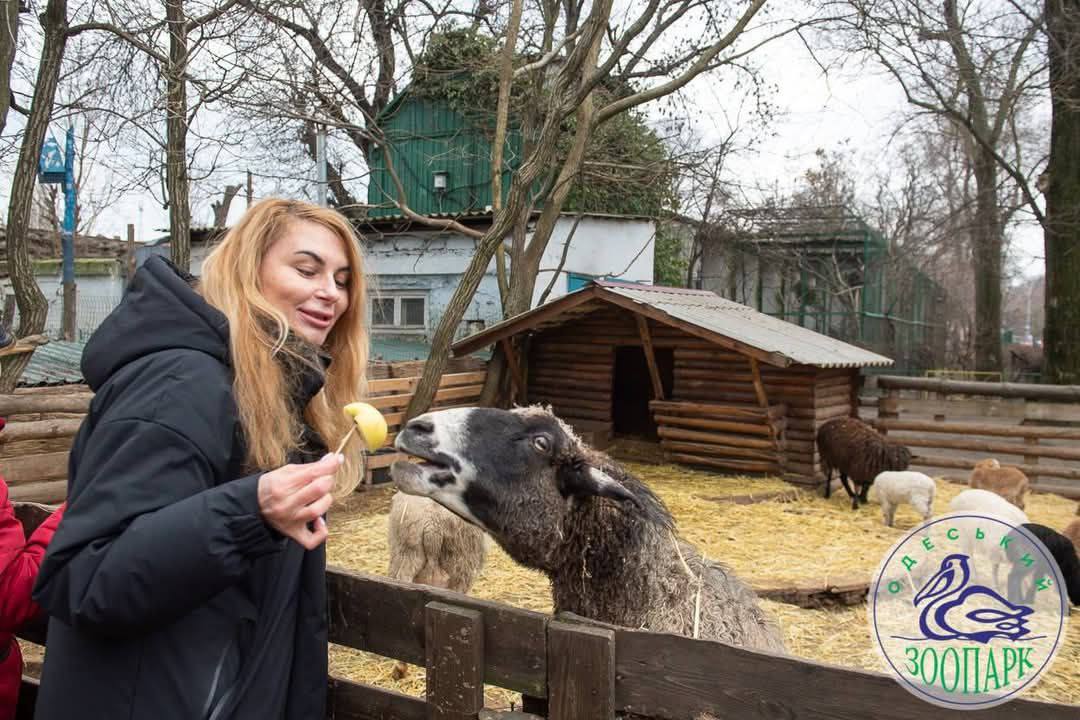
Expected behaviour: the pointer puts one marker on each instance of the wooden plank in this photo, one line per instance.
(733, 465)
(453, 393)
(408, 384)
(1012, 431)
(39, 430)
(347, 700)
(1060, 393)
(718, 450)
(938, 461)
(571, 381)
(34, 468)
(650, 357)
(1048, 451)
(29, 404)
(44, 491)
(674, 677)
(1051, 412)
(581, 672)
(709, 424)
(386, 617)
(714, 438)
(517, 378)
(454, 640)
(713, 409)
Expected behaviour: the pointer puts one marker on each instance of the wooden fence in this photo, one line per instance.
(572, 669)
(951, 425)
(42, 422)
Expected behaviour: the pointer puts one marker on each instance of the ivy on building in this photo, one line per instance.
(627, 169)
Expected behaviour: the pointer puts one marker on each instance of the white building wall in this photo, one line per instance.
(601, 246)
(431, 263)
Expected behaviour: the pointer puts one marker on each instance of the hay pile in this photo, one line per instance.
(772, 543)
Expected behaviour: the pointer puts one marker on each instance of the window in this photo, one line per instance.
(399, 312)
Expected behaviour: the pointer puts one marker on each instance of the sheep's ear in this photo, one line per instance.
(579, 479)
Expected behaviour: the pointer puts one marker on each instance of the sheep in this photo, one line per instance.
(851, 447)
(893, 488)
(605, 541)
(432, 546)
(1072, 531)
(1064, 554)
(984, 502)
(1008, 482)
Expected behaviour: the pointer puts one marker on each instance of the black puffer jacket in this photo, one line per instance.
(169, 596)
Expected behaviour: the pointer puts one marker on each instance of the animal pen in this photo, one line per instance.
(569, 668)
(824, 268)
(951, 425)
(717, 383)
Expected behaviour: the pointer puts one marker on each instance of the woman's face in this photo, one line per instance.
(305, 275)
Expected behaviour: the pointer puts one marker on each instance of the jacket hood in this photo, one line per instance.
(159, 311)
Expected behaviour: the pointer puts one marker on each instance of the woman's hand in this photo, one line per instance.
(293, 496)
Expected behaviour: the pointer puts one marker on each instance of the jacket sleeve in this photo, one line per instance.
(19, 565)
(150, 532)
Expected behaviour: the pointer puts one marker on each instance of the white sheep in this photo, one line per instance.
(984, 502)
(893, 488)
(432, 546)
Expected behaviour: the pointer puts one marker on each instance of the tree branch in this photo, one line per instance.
(689, 74)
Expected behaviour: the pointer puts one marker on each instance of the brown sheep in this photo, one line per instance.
(432, 546)
(606, 542)
(1008, 482)
(856, 450)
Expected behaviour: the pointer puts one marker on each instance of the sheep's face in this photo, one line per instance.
(510, 472)
(988, 464)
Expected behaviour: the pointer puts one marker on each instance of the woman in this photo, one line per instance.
(188, 578)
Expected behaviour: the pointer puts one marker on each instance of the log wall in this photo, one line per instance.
(571, 368)
(42, 422)
(808, 395)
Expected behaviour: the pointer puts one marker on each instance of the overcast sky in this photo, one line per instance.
(857, 106)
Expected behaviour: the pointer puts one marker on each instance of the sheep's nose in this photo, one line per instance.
(420, 426)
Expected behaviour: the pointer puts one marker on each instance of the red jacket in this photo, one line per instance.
(19, 561)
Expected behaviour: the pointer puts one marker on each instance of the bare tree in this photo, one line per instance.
(32, 306)
(977, 68)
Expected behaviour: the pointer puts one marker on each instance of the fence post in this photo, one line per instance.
(581, 672)
(889, 406)
(454, 639)
(1032, 459)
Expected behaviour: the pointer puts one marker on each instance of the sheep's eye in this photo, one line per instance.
(541, 443)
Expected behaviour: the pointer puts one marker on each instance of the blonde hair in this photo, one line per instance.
(259, 340)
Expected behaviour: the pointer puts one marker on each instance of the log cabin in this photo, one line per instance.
(717, 384)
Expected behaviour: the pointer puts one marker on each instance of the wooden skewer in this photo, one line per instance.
(345, 439)
(363, 453)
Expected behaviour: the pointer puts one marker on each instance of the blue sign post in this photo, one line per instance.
(54, 168)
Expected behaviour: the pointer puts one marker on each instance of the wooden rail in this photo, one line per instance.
(35, 444)
(1024, 429)
(576, 668)
(1060, 393)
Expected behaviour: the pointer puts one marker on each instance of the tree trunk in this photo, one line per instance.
(564, 87)
(988, 244)
(176, 175)
(33, 310)
(1061, 336)
(9, 40)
